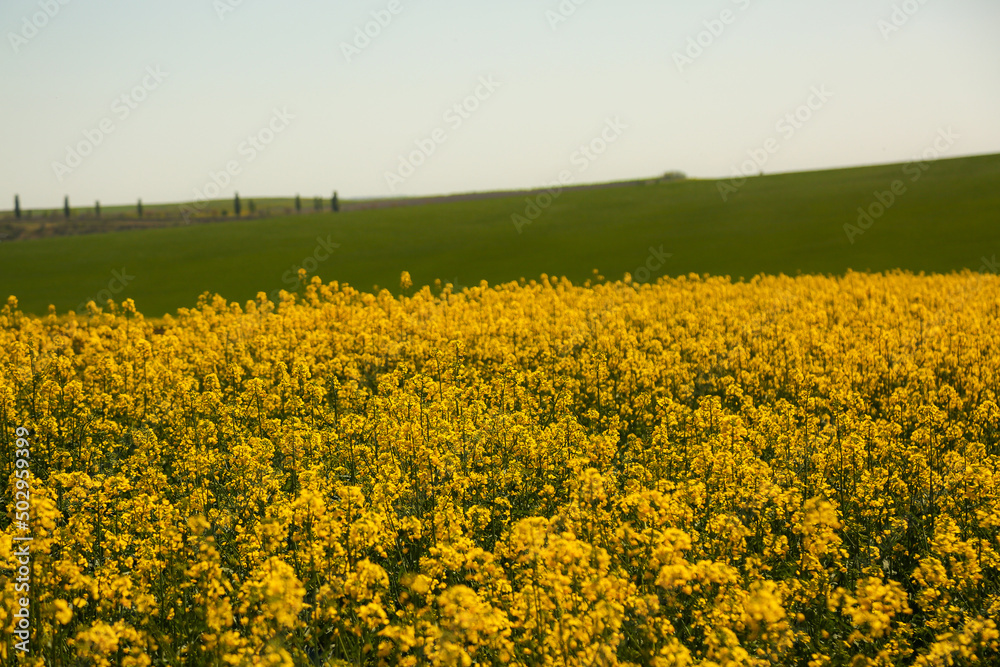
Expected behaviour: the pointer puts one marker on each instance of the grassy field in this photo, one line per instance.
(944, 221)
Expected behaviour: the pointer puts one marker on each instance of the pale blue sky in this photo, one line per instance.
(353, 120)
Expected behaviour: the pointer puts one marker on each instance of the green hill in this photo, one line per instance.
(945, 220)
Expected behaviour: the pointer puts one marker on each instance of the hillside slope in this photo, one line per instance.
(945, 220)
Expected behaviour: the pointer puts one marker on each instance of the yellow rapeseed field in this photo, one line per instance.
(791, 471)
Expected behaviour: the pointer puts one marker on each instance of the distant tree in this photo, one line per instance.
(17, 207)
(253, 207)
(138, 207)
(674, 176)
(335, 203)
(97, 208)
(236, 205)
(298, 204)
(317, 204)
(66, 206)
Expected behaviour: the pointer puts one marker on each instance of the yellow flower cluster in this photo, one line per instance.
(697, 472)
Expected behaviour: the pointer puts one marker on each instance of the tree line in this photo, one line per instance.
(319, 204)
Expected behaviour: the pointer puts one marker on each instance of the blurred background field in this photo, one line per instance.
(945, 221)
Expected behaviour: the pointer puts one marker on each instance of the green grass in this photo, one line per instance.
(789, 223)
